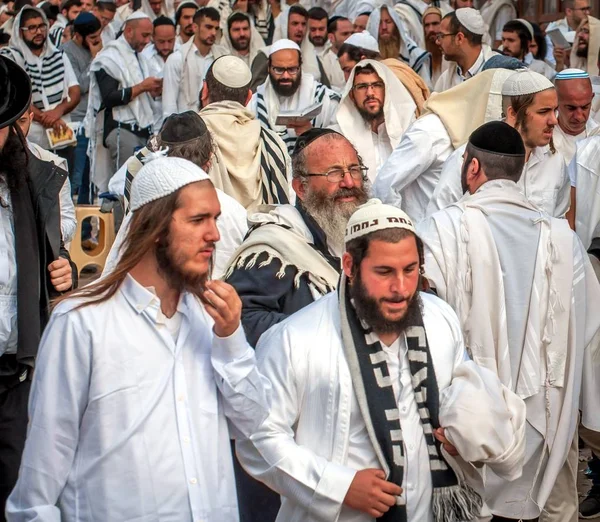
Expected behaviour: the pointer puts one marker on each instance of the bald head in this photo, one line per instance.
(138, 33)
(574, 104)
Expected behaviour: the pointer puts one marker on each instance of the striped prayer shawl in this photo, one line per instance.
(48, 82)
(56, 33)
(263, 116)
(273, 169)
(373, 386)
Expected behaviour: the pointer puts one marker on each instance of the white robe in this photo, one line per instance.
(399, 112)
(411, 14)
(305, 448)
(544, 181)
(491, 256)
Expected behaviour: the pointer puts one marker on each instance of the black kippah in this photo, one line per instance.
(163, 20)
(497, 137)
(179, 128)
(304, 140)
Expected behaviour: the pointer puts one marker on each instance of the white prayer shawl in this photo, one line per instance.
(411, 14)
(302, 449)
(166, 9)
(267, 104)
(539, 66)
(463, 259)
(129, 68)
(585, 168)
(310, 65)
(450, 77)
(544, 182)
(566, 144)
(398, 109)
(588, 63)
(334, 72)
(410, 53)
(489, 11)
(351, 9)
(256, 43)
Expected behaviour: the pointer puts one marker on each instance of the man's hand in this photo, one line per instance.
(560, 55)
(95, 48)
(224, 305)
(370, 493)
(300, 127)
(151, 84)
(60, 126)
(49, 118)
(61, 276)
(439, 435)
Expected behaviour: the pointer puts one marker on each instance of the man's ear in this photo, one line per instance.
(249, 97)
(299, 188)
(331, 38)
(347, 264)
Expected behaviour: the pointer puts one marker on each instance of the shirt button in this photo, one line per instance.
(404, 409)
(194, 481)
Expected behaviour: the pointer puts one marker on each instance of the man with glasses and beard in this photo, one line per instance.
(369, 383)
(288, 88)
(140, 373)
(584, 54)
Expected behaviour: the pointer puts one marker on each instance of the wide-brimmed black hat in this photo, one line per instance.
(15, 92)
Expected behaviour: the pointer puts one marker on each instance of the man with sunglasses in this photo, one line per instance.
(375, 111)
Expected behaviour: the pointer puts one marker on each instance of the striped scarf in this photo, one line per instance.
(452, 501)
(273, 170)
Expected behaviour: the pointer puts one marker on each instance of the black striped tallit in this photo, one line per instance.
(273, 168)
(452, 501)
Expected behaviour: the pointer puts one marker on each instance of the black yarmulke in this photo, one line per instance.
(185, 126)
(305, 139)
(498, 137)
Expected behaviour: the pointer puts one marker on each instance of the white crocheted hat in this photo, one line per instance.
(364, 40)
(525, 82)
(161, 177)
(471, 19)
(373, 216)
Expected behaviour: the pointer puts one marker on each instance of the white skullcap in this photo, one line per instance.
(137, 15)
(231, 71)
(364, 40)
(471, 19)
(282, 45)
(528, 26)
(525, 81)
(373, 216)
(161, 177)
(571, 74)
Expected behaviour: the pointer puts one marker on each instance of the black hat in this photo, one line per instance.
(86, 24)
(183, 127)
(497, 137)
(15, 92)
(305, 139)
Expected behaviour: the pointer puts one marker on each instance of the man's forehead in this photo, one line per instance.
(200, 197)
(339, 151)
(164, 31)
(432, 18)
(547, 98)
(285, 56)
(364, 75)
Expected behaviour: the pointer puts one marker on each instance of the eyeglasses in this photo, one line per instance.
(337, 175)
(364, 87)
(293, 71)
(585, 9)
(42, 28)
(439, 36)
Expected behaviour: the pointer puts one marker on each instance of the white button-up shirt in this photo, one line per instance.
(128, 424)
(8, 275)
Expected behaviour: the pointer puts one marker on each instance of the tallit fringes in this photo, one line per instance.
(252, 261)
(281, 273)
(459, 503)
(267, 261)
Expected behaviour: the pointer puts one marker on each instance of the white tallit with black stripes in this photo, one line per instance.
(267, 104)
(452, 500)
(47, 71)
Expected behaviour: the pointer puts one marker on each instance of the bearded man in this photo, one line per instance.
(367, 382)
(584, 54)
(242, 38)
(144, 405)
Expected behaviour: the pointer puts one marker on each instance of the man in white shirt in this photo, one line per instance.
(375, 111)
(522, 286)
(144, 405)
(184, 18)
(574, 90)
(575, 11)
(163, 42)
(366, 381)
(529, 104)
(185, 69)
(338, 31)
(516, 37)
(460, 39)
(317, 29)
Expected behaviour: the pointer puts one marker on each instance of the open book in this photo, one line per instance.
(307, 114)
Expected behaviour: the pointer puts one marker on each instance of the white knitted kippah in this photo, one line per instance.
(137, 15)
(161, 177)
(471, 19)
(364, 40)
(525, 81)
(571, 74)
(231, 71)
(282, 45)
(373, 216)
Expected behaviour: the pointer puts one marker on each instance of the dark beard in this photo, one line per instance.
(369, 117)
(582, 52)
(33, 46)
(463, 175)
(13, 161)
(318, 42)
(169, 268)
(236, 45)
(367, 309)
(390, 48)
(284, 90)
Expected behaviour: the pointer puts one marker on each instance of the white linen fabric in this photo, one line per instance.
(8, 275)
(315, 439)
(566, 144)
(496, 13)
(411, 15)
(453, 75)
(492, 255)
(539, 66)
(398, 109)
(544, 182)
(134, 421)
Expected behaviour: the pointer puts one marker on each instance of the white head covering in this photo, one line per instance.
(364, 40)
(283, 44)
(527, 25)
(373, 216)
(137, 15)
(231, 71)
(471, 19)
(256, 40)
(571, 74)
(525, 82)
(162, 177)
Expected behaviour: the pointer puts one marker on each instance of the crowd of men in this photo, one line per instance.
(357, 268)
